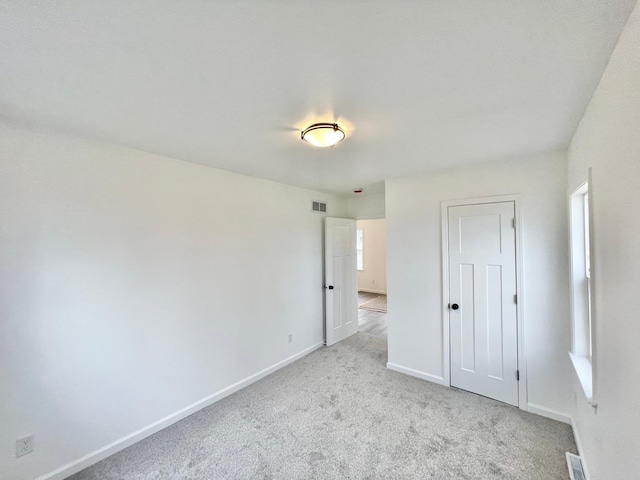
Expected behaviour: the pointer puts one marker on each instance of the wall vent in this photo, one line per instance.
(576, 472)
(319, 207)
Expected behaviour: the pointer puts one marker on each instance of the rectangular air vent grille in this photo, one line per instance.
(319, 207)
(574, 463)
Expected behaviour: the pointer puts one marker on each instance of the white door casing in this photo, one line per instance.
(482, 300)
(341, 289)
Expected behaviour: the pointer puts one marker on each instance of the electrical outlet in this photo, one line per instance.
(24, 445)
(291, 338)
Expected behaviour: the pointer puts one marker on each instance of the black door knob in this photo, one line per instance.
(455, 306)
(330, 287)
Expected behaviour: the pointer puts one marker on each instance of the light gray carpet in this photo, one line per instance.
(340, 414)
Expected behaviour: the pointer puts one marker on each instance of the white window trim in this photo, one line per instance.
(582, 304)
(584, 371)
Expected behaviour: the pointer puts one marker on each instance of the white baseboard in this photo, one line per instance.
(546, 412)
(114, 447)
(416, 373)
(538, 410)
(370, 290)
(578, 439)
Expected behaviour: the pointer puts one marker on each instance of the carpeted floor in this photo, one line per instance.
(339, 413)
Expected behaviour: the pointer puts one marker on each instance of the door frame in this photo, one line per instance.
(446, 345)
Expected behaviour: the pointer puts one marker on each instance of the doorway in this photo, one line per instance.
(372, 276)
(481, 315)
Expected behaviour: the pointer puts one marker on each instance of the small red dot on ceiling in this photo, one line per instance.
(357, 190)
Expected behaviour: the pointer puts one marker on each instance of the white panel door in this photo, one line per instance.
(482, 308)
(341, 290)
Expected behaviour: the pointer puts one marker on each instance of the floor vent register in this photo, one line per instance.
(576, 472)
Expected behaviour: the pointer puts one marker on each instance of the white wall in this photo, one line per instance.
(366, 206)
(374, 276)
(133, 285)
(414, 269)
(608, 141)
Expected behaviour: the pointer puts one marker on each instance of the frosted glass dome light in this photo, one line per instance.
(323, 134)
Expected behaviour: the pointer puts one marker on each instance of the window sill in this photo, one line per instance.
(584, 372)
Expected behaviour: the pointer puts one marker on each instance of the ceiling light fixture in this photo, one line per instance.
(323, 134)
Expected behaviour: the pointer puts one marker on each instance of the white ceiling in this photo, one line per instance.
(418, 85)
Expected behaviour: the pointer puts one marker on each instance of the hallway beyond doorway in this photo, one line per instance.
(371, 321)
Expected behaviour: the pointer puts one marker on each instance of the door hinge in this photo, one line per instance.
(515, 298)
(513, 222)
(518, 375)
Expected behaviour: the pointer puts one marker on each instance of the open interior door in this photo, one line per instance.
(341, 289)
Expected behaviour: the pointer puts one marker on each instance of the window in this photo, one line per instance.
(360, 249)
(587, 274)
(581, 289)
(581, 272)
